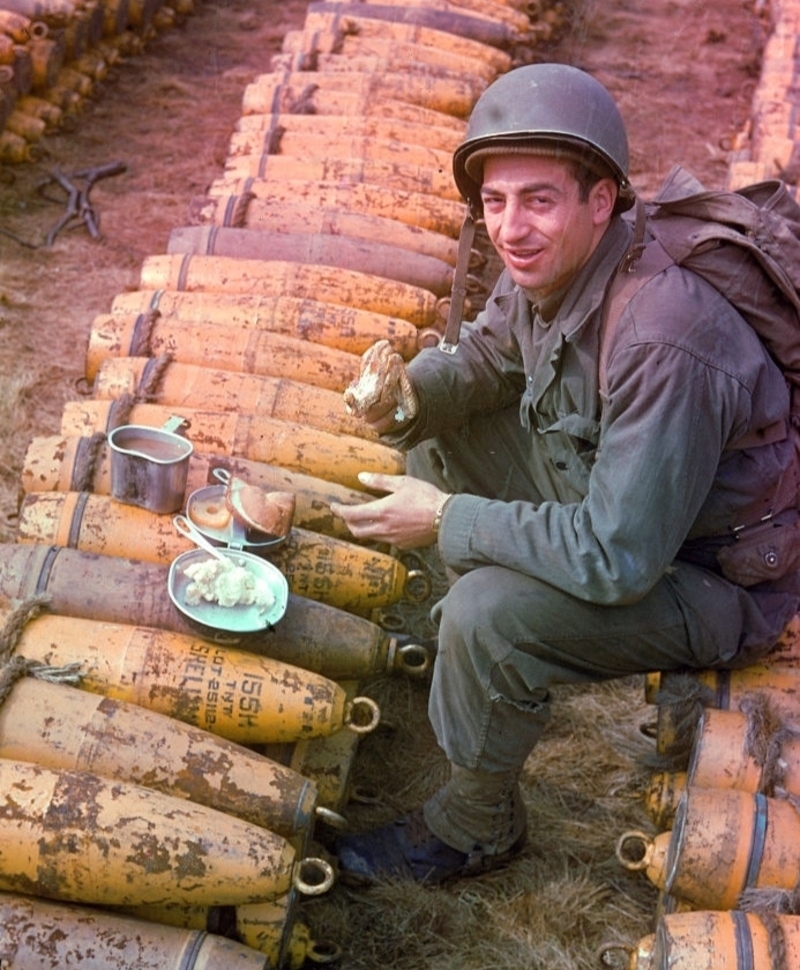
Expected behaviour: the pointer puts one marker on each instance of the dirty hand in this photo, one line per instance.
(404, 517)
(382, 393)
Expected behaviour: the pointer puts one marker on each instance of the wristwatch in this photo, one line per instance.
(437, 518)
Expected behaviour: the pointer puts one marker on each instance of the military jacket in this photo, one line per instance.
(630, 482)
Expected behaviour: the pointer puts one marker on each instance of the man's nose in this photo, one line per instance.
(514, 223)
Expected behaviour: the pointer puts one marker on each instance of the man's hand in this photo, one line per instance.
(404, 517)
(382, 394)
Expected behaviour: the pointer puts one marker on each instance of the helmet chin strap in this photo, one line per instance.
(458, 291)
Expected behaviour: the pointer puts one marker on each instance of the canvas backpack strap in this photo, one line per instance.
(641, 262)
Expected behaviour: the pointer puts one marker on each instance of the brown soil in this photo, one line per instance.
(683, 72)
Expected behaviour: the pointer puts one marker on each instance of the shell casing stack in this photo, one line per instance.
(724, 856)
(333, 224)
(55, 53)
(768, 145)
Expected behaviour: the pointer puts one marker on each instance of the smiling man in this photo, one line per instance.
(580, 530)
(543, 221)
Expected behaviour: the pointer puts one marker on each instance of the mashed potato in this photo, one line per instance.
(222, 581)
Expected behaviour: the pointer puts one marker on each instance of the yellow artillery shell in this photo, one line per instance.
(191, 386)
(302, 215)
(442, 138)
(56, 726)
(21, 28)
(322, 101)
(271, 928)
(313, 58)
(333, 571)
(230, 692)
(347, 328)
(415, 178)
(366, 64)
(332, 457)
(321, 19)
(72, 835)
(724, 756)
(25, 125)
(42, 109)
(224, 347)
(328, 761)
(779, 683)
(414, 208)
(36, 934)
(341, 574)
(737, 939)
(726, 841)
(487, 9)
(281, 89)
(662, 795)
(324, 44)
(380, 258)
(268, 928)
(14, 148)
(337, 144)
(273, 277)
(723, 842)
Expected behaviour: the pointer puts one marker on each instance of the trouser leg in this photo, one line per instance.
(505, 639)
(477, 810)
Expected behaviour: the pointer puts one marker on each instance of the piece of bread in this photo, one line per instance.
(257, 508)
(211, 513)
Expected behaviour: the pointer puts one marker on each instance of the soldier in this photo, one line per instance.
(580, 529)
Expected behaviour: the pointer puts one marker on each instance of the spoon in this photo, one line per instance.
(186, 528)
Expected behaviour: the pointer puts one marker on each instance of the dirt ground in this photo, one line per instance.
(684, 73)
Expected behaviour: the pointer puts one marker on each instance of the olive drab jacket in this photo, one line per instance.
(628, 485)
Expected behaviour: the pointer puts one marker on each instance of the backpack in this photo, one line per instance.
(746, 243)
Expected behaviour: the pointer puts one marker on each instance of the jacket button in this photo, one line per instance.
(771, 559)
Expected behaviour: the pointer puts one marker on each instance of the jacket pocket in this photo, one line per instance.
(762, 553)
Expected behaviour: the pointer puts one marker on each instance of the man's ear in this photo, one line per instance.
(602, 199)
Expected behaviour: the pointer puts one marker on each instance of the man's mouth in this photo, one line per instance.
(522, 258)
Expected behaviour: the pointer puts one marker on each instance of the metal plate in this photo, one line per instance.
(230, 619)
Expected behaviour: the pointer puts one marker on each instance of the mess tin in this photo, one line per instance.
(228, 624)
(150, 466)
(232, 534)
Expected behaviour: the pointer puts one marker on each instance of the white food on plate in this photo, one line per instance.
(222, 581)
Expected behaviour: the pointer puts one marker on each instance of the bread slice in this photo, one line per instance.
(210, 513)
(259, 509)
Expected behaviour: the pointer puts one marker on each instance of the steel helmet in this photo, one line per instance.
(545, 106)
